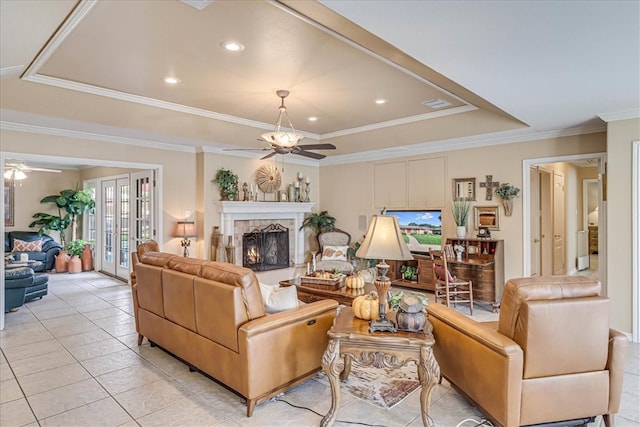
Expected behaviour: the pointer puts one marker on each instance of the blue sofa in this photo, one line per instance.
(50, 248)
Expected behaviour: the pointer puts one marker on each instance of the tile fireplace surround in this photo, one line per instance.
(237, 218)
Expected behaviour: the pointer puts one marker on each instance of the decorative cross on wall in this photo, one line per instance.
(489, 184)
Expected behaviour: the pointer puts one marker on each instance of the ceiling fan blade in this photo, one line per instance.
(317, 147)
(245, 149)
(273, 153)
(29, 168)
(309, 154)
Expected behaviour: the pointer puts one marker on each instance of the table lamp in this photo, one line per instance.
(383, 241)
(185, 229)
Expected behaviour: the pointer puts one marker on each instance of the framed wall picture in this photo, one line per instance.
(9, 203)
(487, 216)
(464, 188)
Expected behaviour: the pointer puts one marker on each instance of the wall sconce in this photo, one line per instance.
(185, 229)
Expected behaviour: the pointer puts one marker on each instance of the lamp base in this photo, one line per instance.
(383, 325)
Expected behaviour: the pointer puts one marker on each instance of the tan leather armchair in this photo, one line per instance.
(550, 357)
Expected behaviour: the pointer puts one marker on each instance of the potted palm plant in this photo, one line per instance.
(460, 210)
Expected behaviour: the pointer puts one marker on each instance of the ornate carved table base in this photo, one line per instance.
(350, 340)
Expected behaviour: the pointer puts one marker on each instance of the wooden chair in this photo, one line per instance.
(449, 289)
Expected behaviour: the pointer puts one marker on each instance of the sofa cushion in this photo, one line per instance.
(518, 291)
(23, 246)
(158, 259)
(276, 298)
(242, 277)
(336, 253)
(186, 265)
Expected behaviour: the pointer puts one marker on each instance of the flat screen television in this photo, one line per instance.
(421, 229)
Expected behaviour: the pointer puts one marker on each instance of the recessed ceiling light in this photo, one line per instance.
(313, 119)
(381, 101)
(232, 46)
(172, 80)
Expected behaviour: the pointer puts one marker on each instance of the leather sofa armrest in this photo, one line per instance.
(615, 364)
(278, 320)
(484, 364)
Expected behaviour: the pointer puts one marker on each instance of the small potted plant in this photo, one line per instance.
(460, 210)
(74, 248)
(507, 193)
(408, 272)
(227, 182)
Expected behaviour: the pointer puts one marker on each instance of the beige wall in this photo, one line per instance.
(620, 137)
(29, 192)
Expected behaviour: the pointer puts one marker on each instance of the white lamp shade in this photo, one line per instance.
(384, 240)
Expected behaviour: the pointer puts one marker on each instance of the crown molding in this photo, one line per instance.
(68, 133)
(475, 141)
(10, 71)
(620, 115)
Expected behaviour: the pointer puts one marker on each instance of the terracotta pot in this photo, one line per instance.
(87, 258)
(62, 259)
(75, 264)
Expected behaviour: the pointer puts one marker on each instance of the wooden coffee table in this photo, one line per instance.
(350, 340)
(313, 292)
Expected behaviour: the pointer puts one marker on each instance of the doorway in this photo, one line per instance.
(553, 214)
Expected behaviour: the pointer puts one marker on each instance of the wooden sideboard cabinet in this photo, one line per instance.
(482, 263)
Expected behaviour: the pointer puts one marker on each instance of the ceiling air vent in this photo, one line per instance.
(436, 103)
(197, 4)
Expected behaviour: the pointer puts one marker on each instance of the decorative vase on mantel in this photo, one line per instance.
(461, 231)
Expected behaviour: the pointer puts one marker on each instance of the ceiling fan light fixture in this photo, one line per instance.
(15, 174)
(280, 137)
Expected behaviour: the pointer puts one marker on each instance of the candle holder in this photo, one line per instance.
(245, 192)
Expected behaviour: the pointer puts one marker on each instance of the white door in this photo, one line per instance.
(559, 258)
(142, 199)
(535, 218)
(115, 227)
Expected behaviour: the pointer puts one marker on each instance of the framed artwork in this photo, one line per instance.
(9, 203)
(464, 188)
(487, 216)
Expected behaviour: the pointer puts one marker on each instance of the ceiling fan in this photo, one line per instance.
(17, 170)
(286, 142)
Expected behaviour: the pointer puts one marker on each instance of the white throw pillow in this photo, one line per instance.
(276, 298)
(335, 253)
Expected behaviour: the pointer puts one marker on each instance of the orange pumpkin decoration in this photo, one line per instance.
(354, 282)
(366, 307)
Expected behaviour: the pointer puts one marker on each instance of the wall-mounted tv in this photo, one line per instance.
(421, 229)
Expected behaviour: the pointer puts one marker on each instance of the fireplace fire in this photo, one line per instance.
(266, 248)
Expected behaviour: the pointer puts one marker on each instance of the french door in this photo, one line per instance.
(115, 227)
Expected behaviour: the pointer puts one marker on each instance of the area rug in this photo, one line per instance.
(384, 388)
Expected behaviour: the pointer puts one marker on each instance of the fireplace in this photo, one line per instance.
(238, 218)
(266, 248)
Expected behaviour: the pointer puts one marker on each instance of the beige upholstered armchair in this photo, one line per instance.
(551, 356)
(334, 245)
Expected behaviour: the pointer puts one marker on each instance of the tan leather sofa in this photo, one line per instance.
(210, 315)
(550, 357)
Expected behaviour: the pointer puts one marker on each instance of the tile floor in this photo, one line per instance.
(71, 359)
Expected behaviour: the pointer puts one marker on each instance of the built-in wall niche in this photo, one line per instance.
(409, 184)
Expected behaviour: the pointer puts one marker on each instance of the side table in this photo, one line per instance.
(350, 340)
